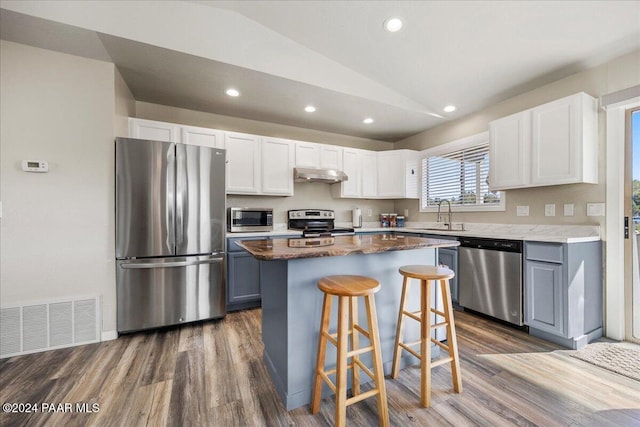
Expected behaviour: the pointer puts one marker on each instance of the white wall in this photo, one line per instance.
(125, 105)
(615, 75)
(57, 228)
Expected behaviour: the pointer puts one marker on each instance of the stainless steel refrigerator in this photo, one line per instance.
(170, 225)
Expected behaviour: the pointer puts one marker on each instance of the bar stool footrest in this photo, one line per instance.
(362, 396)
(441, 361)
(413, 315)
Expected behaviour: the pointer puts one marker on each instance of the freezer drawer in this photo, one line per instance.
(167, 291)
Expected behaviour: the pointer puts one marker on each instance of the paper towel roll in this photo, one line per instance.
(356, 218)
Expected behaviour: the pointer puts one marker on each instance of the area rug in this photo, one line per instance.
(621, 358)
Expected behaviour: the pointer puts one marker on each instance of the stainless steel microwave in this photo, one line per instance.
(249, 219)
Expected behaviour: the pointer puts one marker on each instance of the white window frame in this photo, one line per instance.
(460, 144)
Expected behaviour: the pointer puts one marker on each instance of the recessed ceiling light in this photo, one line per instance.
(368, 120)
(393, 24)
(449, 108)
(232, 92)
(309, 108)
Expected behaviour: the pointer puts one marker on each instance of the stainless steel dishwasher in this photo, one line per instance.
(490, 277)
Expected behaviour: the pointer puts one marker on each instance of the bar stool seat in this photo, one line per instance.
(427, 274)
(348, 288)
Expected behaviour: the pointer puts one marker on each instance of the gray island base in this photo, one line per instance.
(292, 305)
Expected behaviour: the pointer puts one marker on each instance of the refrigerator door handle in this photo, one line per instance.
(181, 192)
(171, 203)
(172, 264)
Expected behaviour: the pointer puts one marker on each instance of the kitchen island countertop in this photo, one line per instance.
(280, 248)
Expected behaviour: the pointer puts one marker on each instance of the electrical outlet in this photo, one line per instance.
(406, 212)
(522, 210)
(595, 209)
(369, 213)
(550, 210)
(568, 209)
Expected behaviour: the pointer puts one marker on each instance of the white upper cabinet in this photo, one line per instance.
(330, 157)
(154, 131)
(555, 143)
(398, 174)
(277, 166)
(313, 155)
(202, 136)
(243, 163)
(352, 166)
(509, 151)
(258, 165)
(307, 155)
(564, 141)
(369, 174)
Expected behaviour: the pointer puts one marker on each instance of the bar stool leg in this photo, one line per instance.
(451, 336)
(397, 352)
(425, 345)
(378, 373)
(341, 368)
(322, 349)
(355, 378)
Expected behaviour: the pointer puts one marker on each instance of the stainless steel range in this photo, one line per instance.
(316, 222)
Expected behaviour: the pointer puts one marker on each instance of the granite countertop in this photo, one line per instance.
(280, 248)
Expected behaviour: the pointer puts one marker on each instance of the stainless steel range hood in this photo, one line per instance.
(330, 176)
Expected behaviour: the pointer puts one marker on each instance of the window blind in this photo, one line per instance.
(459, 176)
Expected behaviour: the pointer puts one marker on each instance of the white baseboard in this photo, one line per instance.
(108, 335)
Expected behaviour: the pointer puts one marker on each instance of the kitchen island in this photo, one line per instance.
(292, 302)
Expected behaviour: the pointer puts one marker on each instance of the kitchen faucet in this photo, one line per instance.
(449, 214)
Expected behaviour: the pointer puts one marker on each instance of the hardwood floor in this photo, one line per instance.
(212, 374)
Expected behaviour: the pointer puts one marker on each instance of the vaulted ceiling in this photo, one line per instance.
(334, 55)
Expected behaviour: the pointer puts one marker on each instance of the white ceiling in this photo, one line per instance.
(283, 55)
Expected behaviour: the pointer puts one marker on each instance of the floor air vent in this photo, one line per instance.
(44, 326)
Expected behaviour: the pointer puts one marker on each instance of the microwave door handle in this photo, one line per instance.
(170, 207)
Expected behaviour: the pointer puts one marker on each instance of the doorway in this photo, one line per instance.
(632, 211)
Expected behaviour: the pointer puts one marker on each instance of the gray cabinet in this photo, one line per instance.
(243, 277)
(563, 291)
(445, 256)
(544, 297)
(449, 257)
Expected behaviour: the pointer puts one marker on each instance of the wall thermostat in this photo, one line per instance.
(35, 166)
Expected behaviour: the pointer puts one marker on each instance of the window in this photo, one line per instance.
(458, 172)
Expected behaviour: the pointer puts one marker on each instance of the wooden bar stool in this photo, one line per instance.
(347, 289)
(426, 274)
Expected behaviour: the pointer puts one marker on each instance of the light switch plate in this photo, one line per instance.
(406, 213)
(522, 210)
(550, 210)
(595, 209)
(369, 213)
(568, 209)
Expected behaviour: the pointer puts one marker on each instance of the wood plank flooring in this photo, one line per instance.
(212, 374)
